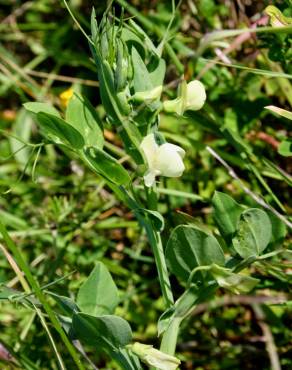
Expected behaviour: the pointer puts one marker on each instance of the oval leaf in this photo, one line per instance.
(107, 166)
(226, 213)
(142, 80)
(35, 107)
(254, 232)
(106, 331)
(82, 115)
(98, 295)
(67, 305)
(189, 247)
(58, 127)
(279, 229)
(285, 148)
(154, 216)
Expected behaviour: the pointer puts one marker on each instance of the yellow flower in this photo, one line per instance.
(65, 96)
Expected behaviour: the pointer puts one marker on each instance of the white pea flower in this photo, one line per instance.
(192, 97)
(154, 357)
(165, 160)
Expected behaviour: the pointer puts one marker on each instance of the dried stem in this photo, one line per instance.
(249, 192)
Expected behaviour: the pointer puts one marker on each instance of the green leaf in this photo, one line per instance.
(158, 74)
(82, 116)
(6, 293)
(146, 41)
(189, 247)
(107, 166)
(142, 81)
(226, 213)
(236, 283)
(155, 217)
(254, 232)
(21, 128)
(107, 331)
(235, 139)
(279, 229)
(131, 144)
(98, 295)
(285, 148)
(56, 126)
(67, 305)
(13, 221)
(35, 107)
(107, 88)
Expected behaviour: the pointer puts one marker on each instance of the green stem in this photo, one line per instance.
(36, 288)
(157, 248)
(154, 238)
(169, 339)
(152, 198)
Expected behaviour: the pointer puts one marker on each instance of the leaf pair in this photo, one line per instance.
(81, 127)
(81, 131)
(96, 325)
(249, 231)
(93, 321)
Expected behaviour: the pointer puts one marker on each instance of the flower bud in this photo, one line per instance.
(235, 282)
(153, 357)
(277, 18)
(165, 160)
(192, 97)
(148, 96)
(121, 67)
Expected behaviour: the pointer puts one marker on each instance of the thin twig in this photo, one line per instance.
(77, 23)
(80, 349)
(249, 192)
(34, 263)
(237, 300)
(16, 269)
(18, 83)
(234, 45)
(269, 339)
(17, 12)
(61, 78)
(20, 71)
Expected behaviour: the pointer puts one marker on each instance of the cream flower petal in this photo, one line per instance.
(192, 96)
(165, 160)
(149, 147)
(149, 178)
(196, 95)
(175, 106)
(153, 357)
(169, 160)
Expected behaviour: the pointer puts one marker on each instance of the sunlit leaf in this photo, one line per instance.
(254, 232)
(98, 295)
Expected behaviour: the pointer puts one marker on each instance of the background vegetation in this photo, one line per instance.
(65, 219)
